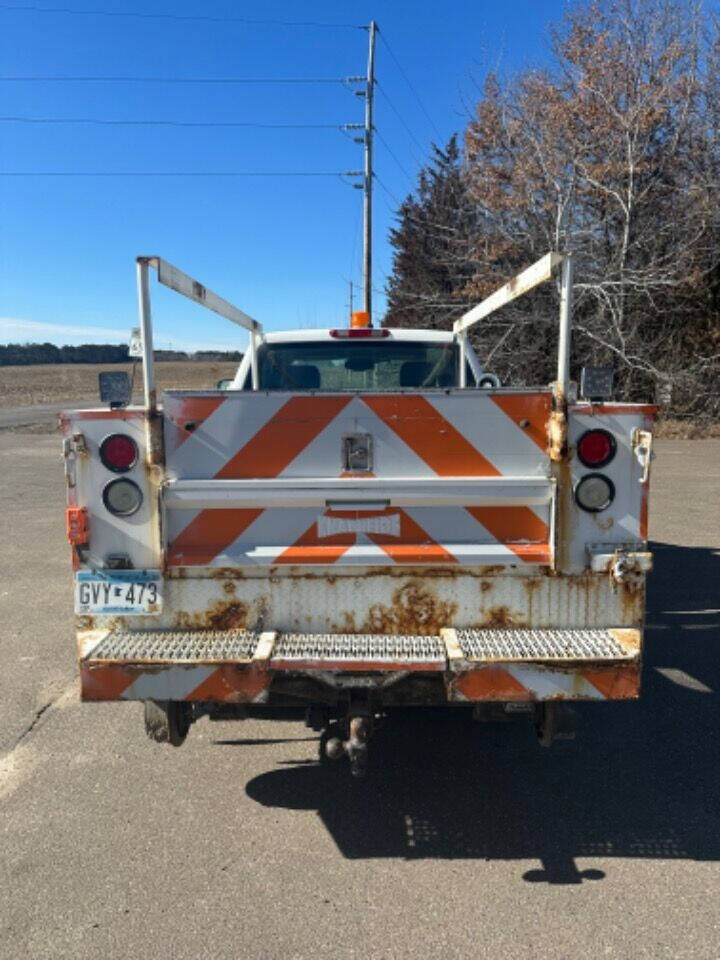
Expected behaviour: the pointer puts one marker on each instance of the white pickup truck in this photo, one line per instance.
(363, 520)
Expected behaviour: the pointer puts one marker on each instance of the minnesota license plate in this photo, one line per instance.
(118, 591)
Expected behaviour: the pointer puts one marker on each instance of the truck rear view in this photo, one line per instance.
(365, 521)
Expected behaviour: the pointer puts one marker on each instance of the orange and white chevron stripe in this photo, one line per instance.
(275, 437)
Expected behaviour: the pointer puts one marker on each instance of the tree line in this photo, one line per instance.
(611, 152)
(25, 354)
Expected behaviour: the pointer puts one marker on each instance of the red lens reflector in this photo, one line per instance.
(595, 448)
(118, 452)
(352, 333)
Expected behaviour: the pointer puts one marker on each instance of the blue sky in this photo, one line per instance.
(282, 249)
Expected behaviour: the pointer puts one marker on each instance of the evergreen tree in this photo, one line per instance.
(431, 267)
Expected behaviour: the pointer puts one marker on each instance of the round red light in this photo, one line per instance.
(595, 448)
(118, 452)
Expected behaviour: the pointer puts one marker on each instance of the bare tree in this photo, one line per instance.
(613, 153)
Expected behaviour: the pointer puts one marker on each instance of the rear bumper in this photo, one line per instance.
(239, 666)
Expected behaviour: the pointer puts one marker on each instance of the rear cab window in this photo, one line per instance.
(340, 365)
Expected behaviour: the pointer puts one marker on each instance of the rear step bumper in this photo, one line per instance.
(475, 665)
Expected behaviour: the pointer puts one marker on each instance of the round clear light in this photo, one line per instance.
(122, 497)
(595, 492)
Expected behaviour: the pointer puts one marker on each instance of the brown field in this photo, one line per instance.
(75, 382)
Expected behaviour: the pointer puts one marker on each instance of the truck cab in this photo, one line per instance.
(364, 521)
(359, 358)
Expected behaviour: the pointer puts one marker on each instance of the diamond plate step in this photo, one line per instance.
(530, 645)
(363, 648)
(368, 651)
(180, 646)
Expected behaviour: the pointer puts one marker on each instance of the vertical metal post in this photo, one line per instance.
(566, 307)
(253, 361)
(368, 179)
(143, 286)
(462, 360)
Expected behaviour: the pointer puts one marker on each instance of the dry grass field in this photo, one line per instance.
(72, 383)
(67, 384)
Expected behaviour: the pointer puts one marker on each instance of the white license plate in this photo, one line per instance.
(118, 591)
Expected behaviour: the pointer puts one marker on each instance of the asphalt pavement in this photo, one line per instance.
(471, 842)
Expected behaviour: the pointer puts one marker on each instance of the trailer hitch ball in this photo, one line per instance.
(355, 748)
(334, 749)
(357, 745)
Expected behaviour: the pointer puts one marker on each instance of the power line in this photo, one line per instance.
(174, 123)
(193, 18)
(412, 88)
(128, 79)
(402, 121)
(392, 154)
(168, 173)
(388, 192)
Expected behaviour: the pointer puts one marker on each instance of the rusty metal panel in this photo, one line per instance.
(403, 601)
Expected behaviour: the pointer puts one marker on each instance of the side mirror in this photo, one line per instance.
(488, 381)
(223, 384)
(596, 383)
(115, 389)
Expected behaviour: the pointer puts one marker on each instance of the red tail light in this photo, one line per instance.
(119, 452)
(595, 448)
(353, 333)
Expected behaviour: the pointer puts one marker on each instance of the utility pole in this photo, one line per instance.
(351, 298)
(368, 175)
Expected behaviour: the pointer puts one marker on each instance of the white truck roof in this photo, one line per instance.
(394, 333)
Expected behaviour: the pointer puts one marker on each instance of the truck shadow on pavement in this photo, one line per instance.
(641, 779)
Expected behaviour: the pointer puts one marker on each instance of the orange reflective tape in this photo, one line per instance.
(190, 413)
(283, 437)
(240, 684)
(616, 683)
(413, 545)
(211, 532)
(431, 436)
(105, 682)
(309, 548)
(531, 407)
(531, 552)
(490, 683)
(510, 525)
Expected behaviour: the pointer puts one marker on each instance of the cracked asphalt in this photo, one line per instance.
(471, 841)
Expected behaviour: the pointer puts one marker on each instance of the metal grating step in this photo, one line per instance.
(345, 647)
(184, 646)
(595, 644)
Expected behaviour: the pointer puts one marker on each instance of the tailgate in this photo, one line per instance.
(446, 477)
